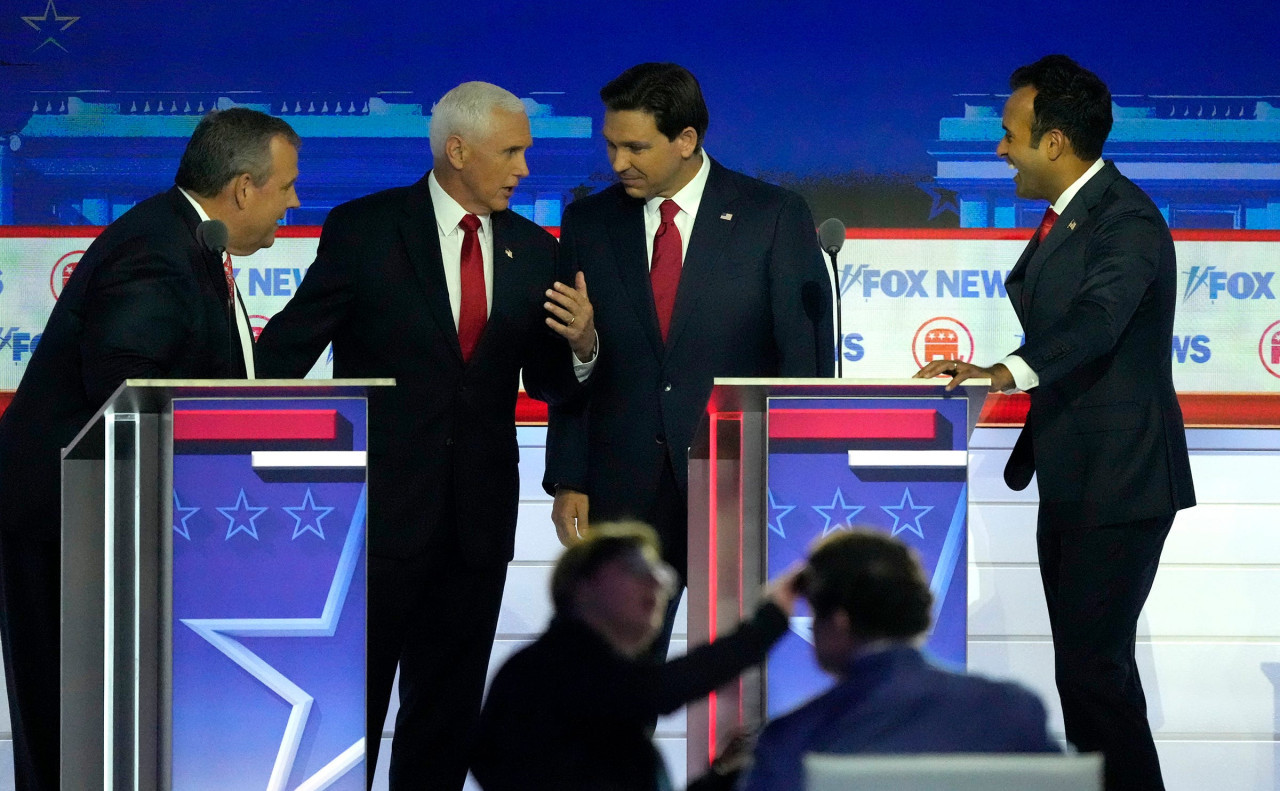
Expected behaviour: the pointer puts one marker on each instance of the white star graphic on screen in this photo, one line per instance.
(839, 515)
(909, 521)
(221, 634)
(775, 522)
(180, 517)
(308, 516)
(242, 517)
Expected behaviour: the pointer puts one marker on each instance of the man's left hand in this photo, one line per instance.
(960, 371)
(572, 316)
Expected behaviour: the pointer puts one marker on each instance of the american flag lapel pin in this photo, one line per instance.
(507, 250)
(727, 216)
(1071, 226)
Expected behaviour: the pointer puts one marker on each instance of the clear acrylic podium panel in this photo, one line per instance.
(778, 464)
(213, 587)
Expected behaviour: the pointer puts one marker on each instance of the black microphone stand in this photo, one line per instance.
(835, 276)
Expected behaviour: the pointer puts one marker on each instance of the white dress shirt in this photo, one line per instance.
(1023, 377)
(449, 214)
(242, 315)
(688, 199)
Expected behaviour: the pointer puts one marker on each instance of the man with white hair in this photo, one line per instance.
(441, 287)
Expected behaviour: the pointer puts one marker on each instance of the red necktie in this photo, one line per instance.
(474, 310)
(1046, 224)
(664, 270)
(231, 280)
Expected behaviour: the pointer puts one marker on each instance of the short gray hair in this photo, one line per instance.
(466, 111)
(227, 143)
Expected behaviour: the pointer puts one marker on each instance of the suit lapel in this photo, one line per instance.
(422, 245)
(506, 292)
(1016, 285)
(1076, 215)
(711, 233)
(629, 248)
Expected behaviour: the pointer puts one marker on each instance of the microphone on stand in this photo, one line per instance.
(213, 236)
(831, 237)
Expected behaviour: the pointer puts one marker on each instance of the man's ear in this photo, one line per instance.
(240, 190)
(455, 150)
(687, 141)
(1057, 144)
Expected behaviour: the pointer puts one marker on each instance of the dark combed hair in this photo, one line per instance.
(874, 579)
(605, 542)
(227, 143)
(1069, 98)
(667, 91)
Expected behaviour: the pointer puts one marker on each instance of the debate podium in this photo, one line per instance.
(779, 463)
(213, 587)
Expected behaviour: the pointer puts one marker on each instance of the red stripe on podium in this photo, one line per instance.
(853, 423)
(530, 411)
(265, 425)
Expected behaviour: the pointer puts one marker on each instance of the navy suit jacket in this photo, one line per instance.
(1096, 299)
(442, 443)
(754, 301)
(894, 701)
(146, 301)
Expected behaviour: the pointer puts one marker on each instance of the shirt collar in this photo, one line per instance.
(448, 211)
(690, 195)
(1060, 205)
(204, 216)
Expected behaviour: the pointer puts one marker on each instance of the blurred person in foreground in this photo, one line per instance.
(572, 711)
(148, 300)
(871, 612)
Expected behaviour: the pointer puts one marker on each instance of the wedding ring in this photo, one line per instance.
(572, 319)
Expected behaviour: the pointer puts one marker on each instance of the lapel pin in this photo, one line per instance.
(507, 250)
(726, 216)
(1071, 226)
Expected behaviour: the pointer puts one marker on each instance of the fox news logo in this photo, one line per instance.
(1235, 285)
(923, 283)
(17, 343)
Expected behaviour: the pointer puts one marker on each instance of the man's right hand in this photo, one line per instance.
(569, 513)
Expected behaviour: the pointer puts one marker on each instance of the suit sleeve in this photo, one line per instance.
(137, 318)
(800, 291)
(1123, 260)
(768, 770)
(547, 369)
(566, 457)
(294, 338)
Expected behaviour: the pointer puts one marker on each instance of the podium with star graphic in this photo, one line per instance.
(213, 588)
(779, 463)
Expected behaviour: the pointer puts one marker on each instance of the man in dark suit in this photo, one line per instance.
(571, 711)
(441, 287)
(871, 606)
(146, 300)
(698, 272)
(1095, 291)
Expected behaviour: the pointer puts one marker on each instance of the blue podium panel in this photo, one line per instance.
(892, 464)
(268, 581)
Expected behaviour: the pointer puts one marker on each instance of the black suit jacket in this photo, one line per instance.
(568, 713)
(754, 301)
(1096, 299)
(442, 442)
(145, 301)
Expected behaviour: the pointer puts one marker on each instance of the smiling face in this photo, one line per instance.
(485, 169)
(1032, 163)
(647, 163)
(260, 208)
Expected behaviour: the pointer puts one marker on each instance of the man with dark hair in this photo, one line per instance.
(1095, 291)
(871, 606)
(571, 711)
(440, 286)
(698, 272)
(147, 300)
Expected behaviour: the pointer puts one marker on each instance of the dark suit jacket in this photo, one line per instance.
(754, 300)
(896, 702)
(145, 301)
(568, 713)
(442, 443)
(1096, 300)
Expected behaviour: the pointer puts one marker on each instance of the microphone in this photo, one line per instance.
(831, 237)
(213, 236)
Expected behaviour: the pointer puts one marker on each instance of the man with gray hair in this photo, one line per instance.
(441, 287)
(147, 300)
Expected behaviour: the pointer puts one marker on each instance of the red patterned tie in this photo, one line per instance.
(664, 270)
(231, 279)
(474, 309)
(1046, 224)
